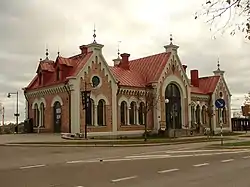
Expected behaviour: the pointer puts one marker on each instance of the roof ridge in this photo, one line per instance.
(211, 76)
(148, 56)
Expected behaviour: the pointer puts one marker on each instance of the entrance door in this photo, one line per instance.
(173, 107)
(57, 117)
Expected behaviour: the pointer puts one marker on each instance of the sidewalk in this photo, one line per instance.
(56, 140)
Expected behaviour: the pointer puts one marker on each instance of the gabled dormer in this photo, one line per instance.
(62, 67)
(45, 69)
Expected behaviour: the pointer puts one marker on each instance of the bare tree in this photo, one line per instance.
(222, 15)
(151, 100)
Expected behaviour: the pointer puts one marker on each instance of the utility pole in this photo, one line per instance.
(16, 114)
(221, 126)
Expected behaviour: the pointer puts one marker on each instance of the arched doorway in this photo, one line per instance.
(57, 117)
(101, 113)
(173, 107)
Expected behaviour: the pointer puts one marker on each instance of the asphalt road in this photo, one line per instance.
(17, 156)
(132, 167)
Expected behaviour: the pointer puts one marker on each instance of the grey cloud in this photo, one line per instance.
(26, 26)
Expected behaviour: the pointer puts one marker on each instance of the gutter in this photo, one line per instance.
(66, 86)
(25, 91)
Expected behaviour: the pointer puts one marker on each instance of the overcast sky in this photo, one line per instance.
(143, 26)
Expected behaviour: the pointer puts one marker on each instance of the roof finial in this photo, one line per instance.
(171, 39)
(58, 52)
(47, 54)
(218, 64)
(94, 35)
(118, 49)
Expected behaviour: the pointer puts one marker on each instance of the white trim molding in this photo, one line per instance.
(178, 82)
(42, 100)
(101, 96)
(35, 102)
(55, 99)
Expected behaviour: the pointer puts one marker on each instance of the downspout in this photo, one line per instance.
(25, 92)
(67, 87)
(210, 114)
(118, 85)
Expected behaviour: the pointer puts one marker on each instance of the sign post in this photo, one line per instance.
(220, 103)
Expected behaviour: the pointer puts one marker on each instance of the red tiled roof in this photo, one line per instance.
(75, 63)
(65, 61)
(206, 85)
(141, 71)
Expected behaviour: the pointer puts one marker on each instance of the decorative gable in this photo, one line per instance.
(98, 59)
(174, 67)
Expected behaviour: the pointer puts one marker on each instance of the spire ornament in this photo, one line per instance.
(218, 64)
(171, 39)
(47, 54)
(118, 49)
(94, 35)
(58, 52)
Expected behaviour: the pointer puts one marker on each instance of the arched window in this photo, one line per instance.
(141, 113)
(92, 107)
(224, 115)
(90, 113)
(123, 112)
(132, 113)
(173, 107)
(42, 110)
(57, 116)
(192, 116)
(197, 114)
(101, 113)
(58, 74)
(203, 115)
(36, 115)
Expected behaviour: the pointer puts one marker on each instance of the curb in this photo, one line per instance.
(102, 145)
(229, 147)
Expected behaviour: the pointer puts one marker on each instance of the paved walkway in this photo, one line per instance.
(43, 138)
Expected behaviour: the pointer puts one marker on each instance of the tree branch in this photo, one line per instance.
(240, 9)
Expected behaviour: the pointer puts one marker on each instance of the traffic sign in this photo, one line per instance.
(220, 103)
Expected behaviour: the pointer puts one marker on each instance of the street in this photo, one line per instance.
(175, 165)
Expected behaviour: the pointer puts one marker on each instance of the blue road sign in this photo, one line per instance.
(220, 103)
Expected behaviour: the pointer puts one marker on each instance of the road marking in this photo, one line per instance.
(203, 150)
(199, 165)
(148, 156)
(81, 161)
(142, 157)
(167, 171)
(34, 166)
(123, 179)
(229, 160)
(245, 157)
(116, 159)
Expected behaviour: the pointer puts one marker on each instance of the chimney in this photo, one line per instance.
(185, 68)
(195, 77)
(124, 62)
(117, 61)
(84, 49)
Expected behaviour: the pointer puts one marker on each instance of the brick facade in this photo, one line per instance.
(116, 87)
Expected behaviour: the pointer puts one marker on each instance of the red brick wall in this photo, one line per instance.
(105, 89)
(49, 112)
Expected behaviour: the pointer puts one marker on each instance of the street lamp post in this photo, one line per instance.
(86, 106)
(16, 114)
